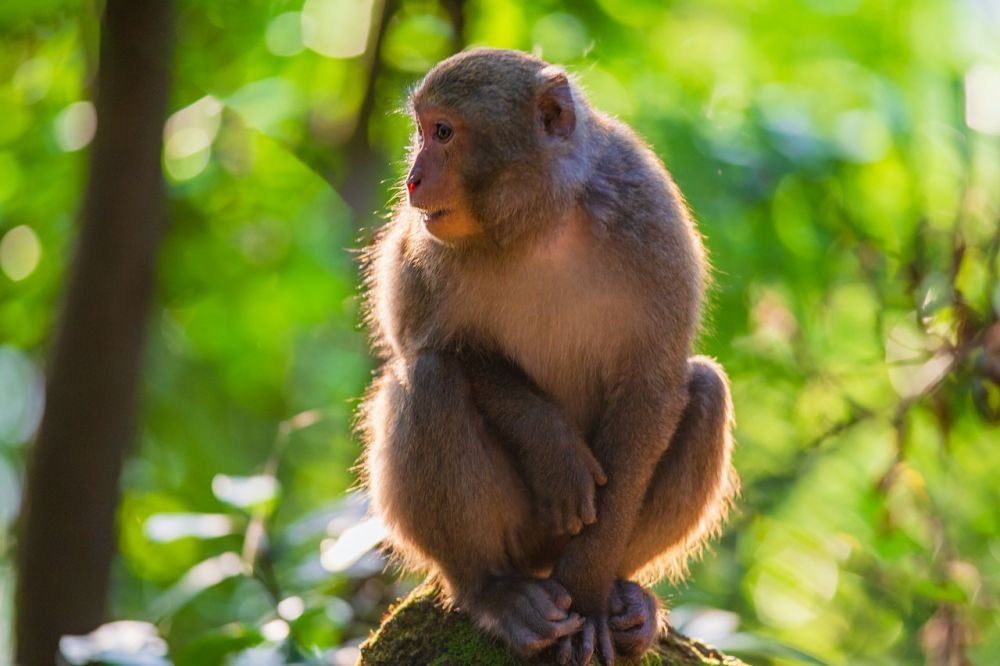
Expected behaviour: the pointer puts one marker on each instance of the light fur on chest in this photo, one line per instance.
(557, 312)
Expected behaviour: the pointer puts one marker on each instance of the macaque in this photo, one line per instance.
(539, 436)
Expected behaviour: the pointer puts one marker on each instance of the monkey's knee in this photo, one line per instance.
(693, 482)
(709, 402)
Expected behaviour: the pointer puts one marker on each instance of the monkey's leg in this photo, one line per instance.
(691, 489)
(454, 503)
(644, 403)
(693, 483)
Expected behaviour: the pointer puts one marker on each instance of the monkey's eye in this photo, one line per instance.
(443, 132)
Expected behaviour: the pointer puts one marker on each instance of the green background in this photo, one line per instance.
(842, 160)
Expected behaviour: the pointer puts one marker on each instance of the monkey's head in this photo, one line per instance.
(497, 146)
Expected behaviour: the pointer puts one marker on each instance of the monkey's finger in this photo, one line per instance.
(551, 633)
(600, 478)
(571, 523)
(545, 605)
(532, 613)
(575, 526)
(534, 633)
(604, 640)
(558, 593)
(633, 619)
(565, 650)
(548, 633)
(635, 641)
(586, 649)
(567, 627)
(588, 508)
(636, 607)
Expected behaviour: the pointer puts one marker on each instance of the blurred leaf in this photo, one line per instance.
(211, 647)
(166, 527)
(246, 492)
(124, 643)
(754, 646)
(198, 578)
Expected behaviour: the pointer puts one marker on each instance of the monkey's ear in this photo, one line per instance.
(555, 103)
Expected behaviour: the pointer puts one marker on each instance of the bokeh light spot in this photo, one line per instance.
(188, 135)
(982, 99)
(336, 28)
(23, 394)
(20, 251)
(75, 126)
(275, 630)
(284, 35)
(291, 608)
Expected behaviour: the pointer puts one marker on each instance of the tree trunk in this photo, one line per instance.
(419, 630)
(67, 536)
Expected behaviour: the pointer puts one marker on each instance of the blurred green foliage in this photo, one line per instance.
(841, 156)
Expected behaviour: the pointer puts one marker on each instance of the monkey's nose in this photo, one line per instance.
(412, 182)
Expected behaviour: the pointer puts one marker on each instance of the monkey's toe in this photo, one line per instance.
(533, 614)
(634, 620)
(594, 638)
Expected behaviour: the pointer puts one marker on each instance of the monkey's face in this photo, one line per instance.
(434, 184)
(493, 127)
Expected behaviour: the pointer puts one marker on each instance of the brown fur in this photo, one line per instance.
(557, 333)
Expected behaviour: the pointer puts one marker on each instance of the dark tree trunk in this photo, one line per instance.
(360, 187)
(67, 536)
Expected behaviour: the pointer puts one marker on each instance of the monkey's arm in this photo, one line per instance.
(556, 462)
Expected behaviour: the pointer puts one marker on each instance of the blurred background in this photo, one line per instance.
(842, 158)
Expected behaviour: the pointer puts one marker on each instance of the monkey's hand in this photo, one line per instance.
(565, 486)
(634, 619)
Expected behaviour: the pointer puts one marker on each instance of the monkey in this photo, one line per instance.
(539, 436)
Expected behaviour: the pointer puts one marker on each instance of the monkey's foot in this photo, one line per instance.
(530, 614)
(596, 633)
(634, 622)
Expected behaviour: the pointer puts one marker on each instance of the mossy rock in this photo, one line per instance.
(419, 630)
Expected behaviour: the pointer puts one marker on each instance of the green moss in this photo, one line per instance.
(421, 630)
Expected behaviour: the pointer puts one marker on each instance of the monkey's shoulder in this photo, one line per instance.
(399, 285)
